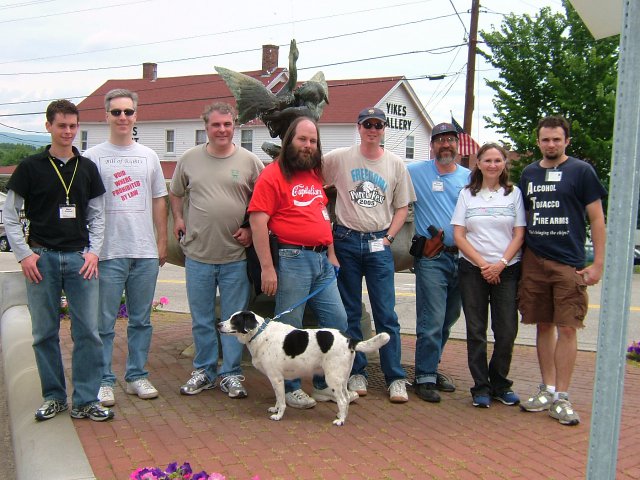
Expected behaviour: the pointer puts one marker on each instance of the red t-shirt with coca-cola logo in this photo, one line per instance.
(297, 209)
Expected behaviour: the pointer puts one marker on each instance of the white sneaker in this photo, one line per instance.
(299, 399)
(142, 387)
(358, 384)
(398, 391)
(232, 385)
(327, 395)
(106, 396)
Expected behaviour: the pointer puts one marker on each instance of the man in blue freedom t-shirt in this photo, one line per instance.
(557, 191)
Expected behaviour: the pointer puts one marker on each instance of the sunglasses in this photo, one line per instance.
(116, 112)
(368, 125)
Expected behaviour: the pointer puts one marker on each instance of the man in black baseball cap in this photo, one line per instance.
(443, 128)
(370, 114)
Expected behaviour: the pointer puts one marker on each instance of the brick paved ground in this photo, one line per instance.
(450, 440)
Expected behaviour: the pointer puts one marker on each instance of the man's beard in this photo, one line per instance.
(446, 159)
(301, 161)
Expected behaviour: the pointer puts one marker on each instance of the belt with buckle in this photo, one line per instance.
(315, 248)
(453, 250)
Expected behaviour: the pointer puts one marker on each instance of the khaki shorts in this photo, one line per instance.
(551, 292)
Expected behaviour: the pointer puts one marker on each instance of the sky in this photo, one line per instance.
(66, 49)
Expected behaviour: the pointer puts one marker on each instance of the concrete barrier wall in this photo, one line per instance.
(49, 449)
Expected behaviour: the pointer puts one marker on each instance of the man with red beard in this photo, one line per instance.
(289, 202)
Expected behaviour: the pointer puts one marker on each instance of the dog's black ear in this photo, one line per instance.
(249, 321)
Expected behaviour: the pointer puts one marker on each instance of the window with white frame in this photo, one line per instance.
(201, 137)
(246, 139)
(410, 147)
(84, 140)
(170, 141)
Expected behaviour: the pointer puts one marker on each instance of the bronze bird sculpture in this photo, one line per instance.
(278, 110)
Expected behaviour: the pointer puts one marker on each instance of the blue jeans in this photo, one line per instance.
(356, 261)
(137, 278)
(60, 272)
(438, 306)
(300, 272)
(477, 296)
(203, 279)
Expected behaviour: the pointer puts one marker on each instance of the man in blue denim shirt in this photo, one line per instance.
(437, 184)
(62, 195)
(373, 195)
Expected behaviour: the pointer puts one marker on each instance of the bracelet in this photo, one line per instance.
(504, 261)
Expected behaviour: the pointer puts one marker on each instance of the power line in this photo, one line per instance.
(74, 11)
(239, 30)
(209, 98)
(24, 4)
(319, 39)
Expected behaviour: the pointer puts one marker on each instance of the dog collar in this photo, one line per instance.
(260, 329)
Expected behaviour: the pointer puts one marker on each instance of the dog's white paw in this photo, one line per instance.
(338, 422)
(272, 409)
(276, 417)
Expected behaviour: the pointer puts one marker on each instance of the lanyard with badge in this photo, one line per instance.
(67, 210)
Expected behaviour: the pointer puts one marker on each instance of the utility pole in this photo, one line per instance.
(471, 66)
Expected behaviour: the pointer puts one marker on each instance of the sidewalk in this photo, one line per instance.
(450, 440)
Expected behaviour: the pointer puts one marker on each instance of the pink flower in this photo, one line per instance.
(164, 301)
(216, 476)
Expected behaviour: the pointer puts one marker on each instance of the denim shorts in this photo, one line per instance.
(551, 292)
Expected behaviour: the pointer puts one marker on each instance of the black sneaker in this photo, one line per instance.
(444, 384)
(427, 392)
(49, 409)
(93, 411)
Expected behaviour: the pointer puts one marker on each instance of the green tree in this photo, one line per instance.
(550, 65)
(12, 154)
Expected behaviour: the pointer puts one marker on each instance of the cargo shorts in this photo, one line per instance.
(551, 292)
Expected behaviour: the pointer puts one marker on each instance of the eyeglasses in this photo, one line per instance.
(116, 112)
(368, 125)
(445, 139)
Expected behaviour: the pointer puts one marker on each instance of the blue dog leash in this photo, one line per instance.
(311, 295)
(297, 304)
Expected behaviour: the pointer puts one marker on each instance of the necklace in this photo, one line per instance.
(488, 193)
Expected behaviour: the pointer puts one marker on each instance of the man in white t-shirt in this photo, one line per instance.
(373, 195)
(132, 253)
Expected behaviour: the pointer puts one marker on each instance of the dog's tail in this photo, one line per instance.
(373, 343)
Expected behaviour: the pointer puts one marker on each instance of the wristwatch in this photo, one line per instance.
(505, 261)
(390, 238)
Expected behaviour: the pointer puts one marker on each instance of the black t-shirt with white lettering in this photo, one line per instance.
(555, 200)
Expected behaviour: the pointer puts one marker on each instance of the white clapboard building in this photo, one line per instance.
(169, 112)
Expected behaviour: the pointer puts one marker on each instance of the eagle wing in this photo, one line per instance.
(253, 99)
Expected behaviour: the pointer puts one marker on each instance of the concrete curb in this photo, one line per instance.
(50, 449)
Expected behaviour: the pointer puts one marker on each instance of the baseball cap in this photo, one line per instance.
(372, 112)
(443, 128)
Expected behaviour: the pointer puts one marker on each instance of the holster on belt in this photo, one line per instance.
(434, 245)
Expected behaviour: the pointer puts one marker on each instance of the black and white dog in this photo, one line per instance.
(281, 352)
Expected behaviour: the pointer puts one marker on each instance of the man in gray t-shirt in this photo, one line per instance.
(218, 179)
(132, 253)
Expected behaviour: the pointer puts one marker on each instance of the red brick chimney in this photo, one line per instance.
(150, 71)
(269, 58)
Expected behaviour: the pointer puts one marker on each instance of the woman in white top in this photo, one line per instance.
(489, 223)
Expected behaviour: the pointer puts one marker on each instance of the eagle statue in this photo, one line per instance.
(277, 110)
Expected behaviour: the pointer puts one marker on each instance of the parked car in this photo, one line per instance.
(588, 250)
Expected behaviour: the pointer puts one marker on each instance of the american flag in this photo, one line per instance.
(467, 145)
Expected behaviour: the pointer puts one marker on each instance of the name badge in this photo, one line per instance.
(437, 186)
(376, 245)
(67, 211)
(325, 214)
(553, 175)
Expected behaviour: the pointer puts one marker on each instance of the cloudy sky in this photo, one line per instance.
(66, 49)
